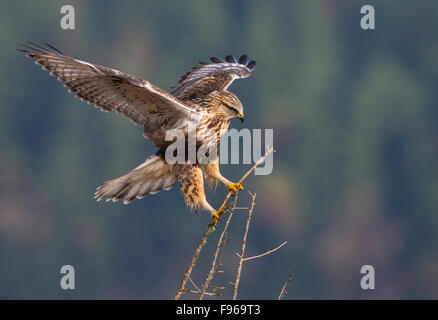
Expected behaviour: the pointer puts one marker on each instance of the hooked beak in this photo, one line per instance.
(240, 116)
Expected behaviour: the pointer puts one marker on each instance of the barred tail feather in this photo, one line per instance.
(148, 178)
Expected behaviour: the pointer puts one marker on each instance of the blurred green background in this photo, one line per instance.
(354, 115)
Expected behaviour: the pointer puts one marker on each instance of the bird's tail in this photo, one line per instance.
(150, 177)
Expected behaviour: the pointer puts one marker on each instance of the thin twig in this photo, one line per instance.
(258, 162)
(263, 254)
(210, 229)
(221, 256)
(218, 294)
(196, 287)
(216, 288)
(189, 269)
(283, 292)
(288, 282)
(218, 247)
(242, 251)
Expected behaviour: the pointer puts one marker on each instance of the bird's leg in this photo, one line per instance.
(212, 171)
(233, 187)
(192, 187)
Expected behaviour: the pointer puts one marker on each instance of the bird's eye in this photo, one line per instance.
(231, 108)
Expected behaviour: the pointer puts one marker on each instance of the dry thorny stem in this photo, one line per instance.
(220, 244)
(198, 291)
(210, 228)
(283, 292)
(242, 251)
(263, 254)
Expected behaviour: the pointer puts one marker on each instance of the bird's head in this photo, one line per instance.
(227, 104)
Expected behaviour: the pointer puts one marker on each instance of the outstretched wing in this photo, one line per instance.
(109, 89)
(215, 76)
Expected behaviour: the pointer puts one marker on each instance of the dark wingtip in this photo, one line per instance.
(30, 46)
(53, 48)
(243, 60)
(230, 59)
(36, 46)
(216, 60)
(251, 65)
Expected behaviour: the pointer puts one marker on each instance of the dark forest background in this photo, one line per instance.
(355, 177)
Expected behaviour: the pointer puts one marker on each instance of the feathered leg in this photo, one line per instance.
(192, 187)
(213, 174)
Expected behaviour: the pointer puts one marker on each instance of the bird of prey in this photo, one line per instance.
(200, 99)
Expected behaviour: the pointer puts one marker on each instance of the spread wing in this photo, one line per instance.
(214, 76)
(109, 89)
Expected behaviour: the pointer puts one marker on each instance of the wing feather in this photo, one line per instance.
(109, 89)
(215, 76)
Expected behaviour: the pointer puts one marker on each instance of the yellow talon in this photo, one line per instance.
(234, 187)
(217, 215)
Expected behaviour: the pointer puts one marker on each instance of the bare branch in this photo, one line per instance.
(196, 287)
(218, 247)
(283, 292)
(264, 254)
(242, 251)
(218, 294)
(210, 229)
(258, 162)
(221, 256)
(189, 269)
